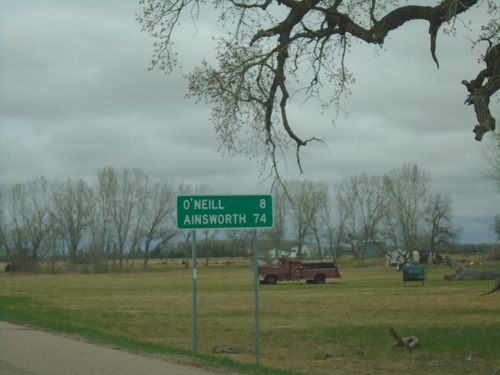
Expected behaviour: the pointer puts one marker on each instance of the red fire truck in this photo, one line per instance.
(285, 268)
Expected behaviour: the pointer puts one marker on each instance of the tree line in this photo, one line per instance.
(124, 214)
(391, 211)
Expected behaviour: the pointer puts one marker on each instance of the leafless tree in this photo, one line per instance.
(240, 241)
(438, 221)
(278, 49)
(27, 222)
(70, 214)
(37, 219)
(306, 198)
(99, 226)
(495, 226)
(277, 233)
(122, 194)
(13, 227)
(407, 189)
(321, 224)
(186, 189)
(367, 206)
(208, 240)
(157, 225)
(332, 229)
(322, 229)
(4, 237)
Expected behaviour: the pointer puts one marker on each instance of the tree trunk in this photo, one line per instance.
(463, 273)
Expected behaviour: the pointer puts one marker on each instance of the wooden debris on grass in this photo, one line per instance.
(410, 342)
(323, 356)
(464, 273)
(494, 290)
(217, 350)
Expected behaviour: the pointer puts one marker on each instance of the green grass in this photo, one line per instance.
(342, 326)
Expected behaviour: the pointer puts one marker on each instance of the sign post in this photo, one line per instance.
(193, 286)
(256, 294)
(226, 212)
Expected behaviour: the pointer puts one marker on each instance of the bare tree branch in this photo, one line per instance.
(260, 62)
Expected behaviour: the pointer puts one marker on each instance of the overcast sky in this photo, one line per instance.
(76, 95)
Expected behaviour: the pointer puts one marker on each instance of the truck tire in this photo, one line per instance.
(320, 279)
(271, 280)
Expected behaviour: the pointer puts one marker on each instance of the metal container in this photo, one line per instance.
(414, 273)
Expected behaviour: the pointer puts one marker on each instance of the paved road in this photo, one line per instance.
(27, 351)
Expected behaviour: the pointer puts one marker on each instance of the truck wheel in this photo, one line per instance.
(320, 279)
(271, 280)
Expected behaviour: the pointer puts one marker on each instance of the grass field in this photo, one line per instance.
(341, 327)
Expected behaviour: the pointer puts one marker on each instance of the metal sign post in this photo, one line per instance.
(225, 211)
(193, 260)
(256, 294)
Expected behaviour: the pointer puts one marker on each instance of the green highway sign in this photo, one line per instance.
(224, 211)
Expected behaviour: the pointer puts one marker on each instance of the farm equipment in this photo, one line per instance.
(285, 268)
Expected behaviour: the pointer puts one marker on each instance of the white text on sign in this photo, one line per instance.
(224, 211)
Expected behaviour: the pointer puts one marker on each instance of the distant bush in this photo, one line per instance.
(494, 256)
